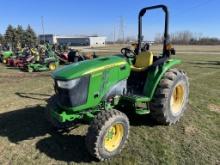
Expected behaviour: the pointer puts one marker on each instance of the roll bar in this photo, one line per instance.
(166, 30)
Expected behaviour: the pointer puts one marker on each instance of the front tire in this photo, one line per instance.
(171, 97)
(4, 61)
(30, 69)
(107, 134)
(51, 104)
(52, 66)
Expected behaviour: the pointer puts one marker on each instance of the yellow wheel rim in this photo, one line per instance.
(52, 66)
(113, 137)
(177, 98)
(4, 61)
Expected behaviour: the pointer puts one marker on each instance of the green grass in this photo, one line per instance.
(27, 138)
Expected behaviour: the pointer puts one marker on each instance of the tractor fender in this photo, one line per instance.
(50, 60)
(154, 76)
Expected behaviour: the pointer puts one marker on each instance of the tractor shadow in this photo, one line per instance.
(23, 124)
(205, 64)
(139, 120)
(142, 120)
(35, 96)
(30, 123)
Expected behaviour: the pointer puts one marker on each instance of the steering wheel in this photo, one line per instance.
(128, 53)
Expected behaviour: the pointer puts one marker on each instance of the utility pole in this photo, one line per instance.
(42, 23)
(114, 34)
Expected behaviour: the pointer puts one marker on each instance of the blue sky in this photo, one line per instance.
(89, 17)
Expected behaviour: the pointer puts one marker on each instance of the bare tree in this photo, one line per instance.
(158, 38)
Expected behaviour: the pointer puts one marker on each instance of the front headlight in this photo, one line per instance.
(68, 84)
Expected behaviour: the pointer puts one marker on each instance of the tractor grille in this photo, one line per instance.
(73, 97)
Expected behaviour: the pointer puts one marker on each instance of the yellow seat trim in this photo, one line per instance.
(133, 68)
(143, 60)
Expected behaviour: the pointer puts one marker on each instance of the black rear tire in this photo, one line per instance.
(171, 97)
(98, 133)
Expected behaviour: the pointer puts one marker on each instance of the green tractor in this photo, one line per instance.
(50, 61)
(5, 55)
(105, 89)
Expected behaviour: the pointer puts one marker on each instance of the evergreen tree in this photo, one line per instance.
(2, 40)
(10, 36)
(30, 37)
(19, 36)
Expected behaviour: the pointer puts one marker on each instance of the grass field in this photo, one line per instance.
(27, 138)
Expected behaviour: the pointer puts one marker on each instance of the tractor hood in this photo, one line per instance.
(7, 54)
(88, 67)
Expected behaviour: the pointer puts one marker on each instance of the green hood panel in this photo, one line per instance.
(7, 54)
(88, 66)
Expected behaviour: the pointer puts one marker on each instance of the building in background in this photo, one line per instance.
(50, 38)
(77, 41)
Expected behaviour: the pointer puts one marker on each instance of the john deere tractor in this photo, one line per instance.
(105, 89)
(5, 55)
(48, 61)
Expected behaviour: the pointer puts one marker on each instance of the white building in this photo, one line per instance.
(84, 41)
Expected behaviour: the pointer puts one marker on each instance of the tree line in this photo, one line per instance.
(18, 36)
(187, 38)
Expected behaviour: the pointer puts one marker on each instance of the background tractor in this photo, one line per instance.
(105, 89)
(46, 60)
(22, 58)
(74, 56)
(5, 55)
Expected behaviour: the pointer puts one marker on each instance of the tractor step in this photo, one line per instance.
(136, 98)
(142, 111)
(139, 102)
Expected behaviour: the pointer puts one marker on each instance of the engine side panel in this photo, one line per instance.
(103, 83)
